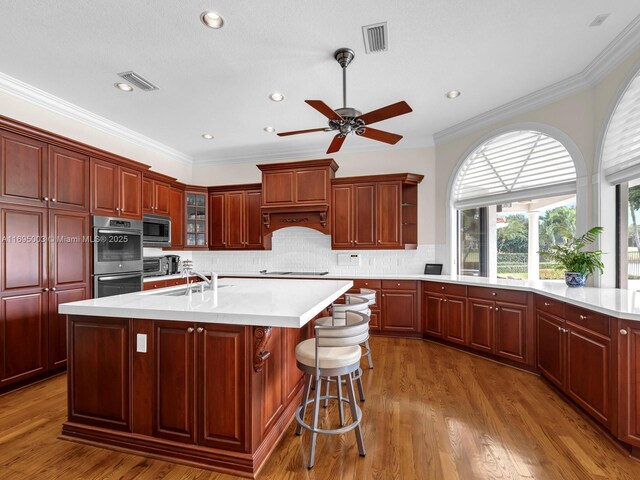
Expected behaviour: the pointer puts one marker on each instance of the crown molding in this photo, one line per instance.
(613, 54)
(35, 96)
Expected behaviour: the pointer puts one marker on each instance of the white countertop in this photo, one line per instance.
(616, 302)
(239, 301)
(161, 277)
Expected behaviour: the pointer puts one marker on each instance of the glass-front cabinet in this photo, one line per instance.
(196, 219)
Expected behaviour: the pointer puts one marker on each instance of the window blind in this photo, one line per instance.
(621, 152)
(513, 167)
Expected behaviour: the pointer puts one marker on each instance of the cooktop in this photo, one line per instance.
(317, 274)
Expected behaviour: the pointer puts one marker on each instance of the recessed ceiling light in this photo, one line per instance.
(212, 19)
(125, 87)
(269, 129)
(207, 136)
(453, 94)
(276, 97)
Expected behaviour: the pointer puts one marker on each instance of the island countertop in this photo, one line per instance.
(239, 301)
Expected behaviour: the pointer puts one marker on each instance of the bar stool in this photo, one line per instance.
(334, 352)
(353, 303)
(370, 296)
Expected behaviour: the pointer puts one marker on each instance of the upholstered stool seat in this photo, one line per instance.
(330, 357)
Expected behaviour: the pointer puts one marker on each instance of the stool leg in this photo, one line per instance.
(368, 355)
(305, 398)
(354, 415)
(326, 400)
(360, 388)
(316, 413)
(340, 409)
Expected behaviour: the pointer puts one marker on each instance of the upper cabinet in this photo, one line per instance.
(34, 173)
(196, 218)
(116, 191)
(297, 183)
(234, 216)
(177, 214)
(375, 212)
(155, 195)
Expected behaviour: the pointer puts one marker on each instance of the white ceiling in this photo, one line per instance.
(218, 81)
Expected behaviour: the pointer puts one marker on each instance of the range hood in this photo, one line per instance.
(296, 194)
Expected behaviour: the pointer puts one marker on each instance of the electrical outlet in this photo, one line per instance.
(349, 259)
(141, 343)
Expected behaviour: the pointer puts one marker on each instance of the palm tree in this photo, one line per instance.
(634, 205)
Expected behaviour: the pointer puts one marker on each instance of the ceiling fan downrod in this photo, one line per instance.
(344, 56)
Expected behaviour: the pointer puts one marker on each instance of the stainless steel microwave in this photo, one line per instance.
(156, 231)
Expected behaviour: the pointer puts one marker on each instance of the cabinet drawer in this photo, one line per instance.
(176, 281)
(596, 322)
(549, 305)
(511, 296)
(399, 284)
(447, 288)
(155, 284)
(374, 284)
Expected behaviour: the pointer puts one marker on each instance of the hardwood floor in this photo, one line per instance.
(431, 413)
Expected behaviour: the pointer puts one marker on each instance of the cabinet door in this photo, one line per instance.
(216, 221)
(161, 193)
(511, 331)
(68, 179)
(176, 211)
(221, 385)
(342, 221)
(69, 255)
(253, 219)
(388, 214)
(550, 348)
(105, 186)
(588, 359)
(22, 336)
(147, 195)
(57, 330)
(454, 319)
(364, 214)
(23, 252)
(312, 185)
(23, 178)
(374, 322)
(174, 381)
(628, 338)
(432, 308)
(481, 325)
(234, 219)
(278, 187)
(399, 311)
(130, 193)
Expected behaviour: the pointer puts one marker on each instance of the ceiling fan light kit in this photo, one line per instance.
(348, 120)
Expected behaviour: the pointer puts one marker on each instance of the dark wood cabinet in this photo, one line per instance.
(116, 191)
(454, 318)
(512, 337)
(399, 307)
(297, 183)
(70, 255)
(481, 325)
(197, 219)
(235, 218)
(68, 179)
(628, 374)
(57, 324)
(177, 213)
(374, 212)
(155, 196)
(23, 174)
(445, 311)
(432, 308)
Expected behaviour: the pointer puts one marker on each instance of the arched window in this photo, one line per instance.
(621, 167)
(515, 194)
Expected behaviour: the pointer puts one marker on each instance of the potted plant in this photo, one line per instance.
(577, 263)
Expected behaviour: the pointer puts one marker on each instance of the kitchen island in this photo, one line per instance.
(207, 379)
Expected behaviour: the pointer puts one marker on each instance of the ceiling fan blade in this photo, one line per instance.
(324, 109)
(336, 143)
(383, 113)
(380, 135)
(297, 132)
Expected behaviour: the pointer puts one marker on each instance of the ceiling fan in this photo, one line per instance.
(348, 120)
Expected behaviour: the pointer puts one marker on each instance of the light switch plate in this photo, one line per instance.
(141, 343)
(349, 259)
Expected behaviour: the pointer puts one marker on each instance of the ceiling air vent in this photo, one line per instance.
(599, 20)
(138, 81)
(376, 37)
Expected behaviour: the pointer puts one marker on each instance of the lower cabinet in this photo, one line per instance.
(628, 336)
(399, 307)
(200, 363)
(57, 325)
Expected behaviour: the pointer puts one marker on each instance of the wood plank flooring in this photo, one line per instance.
(431, 413)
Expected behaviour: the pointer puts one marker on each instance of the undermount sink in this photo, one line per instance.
(185, 291)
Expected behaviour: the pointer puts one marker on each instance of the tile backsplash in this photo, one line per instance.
(302, 249)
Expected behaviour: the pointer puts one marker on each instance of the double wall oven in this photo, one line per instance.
(117, 256)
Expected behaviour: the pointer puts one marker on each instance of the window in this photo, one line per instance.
(515, 194)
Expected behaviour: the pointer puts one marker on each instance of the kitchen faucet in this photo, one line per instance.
(188, 271)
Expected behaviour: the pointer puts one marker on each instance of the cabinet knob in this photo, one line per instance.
(583, 317)
(441, 288)
(46, 199)
(445, 300)
(53, 289)
(45, 289)
(623, 331)
(565, 330)
(366, 283)
(53, 199)
(190, 329)
(547, 304)
(497, 309)
(398, 284)
(493, 293)
(559, 329)
(155, 286)
(355, 241)
(490, 308)
(200, 330)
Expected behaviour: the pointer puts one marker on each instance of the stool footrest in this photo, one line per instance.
(336, 431)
